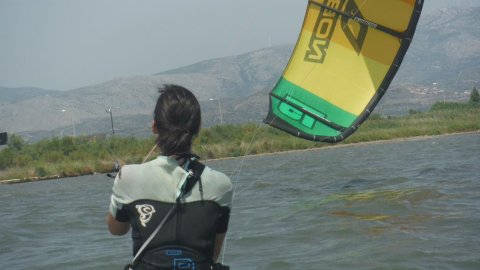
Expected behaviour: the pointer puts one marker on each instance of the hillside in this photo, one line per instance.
(12, 95)
(443, 62)
(445, 49)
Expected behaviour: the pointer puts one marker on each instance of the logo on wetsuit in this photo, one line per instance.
(146, 211)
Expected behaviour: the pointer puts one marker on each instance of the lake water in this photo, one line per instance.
(398, 205)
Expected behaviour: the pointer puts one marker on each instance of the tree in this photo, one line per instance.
(474, 96)
(16, 142)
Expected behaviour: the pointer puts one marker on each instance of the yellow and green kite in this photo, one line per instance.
(345, 58)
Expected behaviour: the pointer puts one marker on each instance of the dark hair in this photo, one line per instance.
(177, 118)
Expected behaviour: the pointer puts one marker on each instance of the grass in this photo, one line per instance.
(69, 156)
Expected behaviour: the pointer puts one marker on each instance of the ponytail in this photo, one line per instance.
(177, 117)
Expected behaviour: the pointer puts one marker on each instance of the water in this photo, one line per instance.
(399, 205)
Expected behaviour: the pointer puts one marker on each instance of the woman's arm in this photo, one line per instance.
(116, 227)
(219, 239)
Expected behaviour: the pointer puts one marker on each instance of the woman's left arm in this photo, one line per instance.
(219, 239)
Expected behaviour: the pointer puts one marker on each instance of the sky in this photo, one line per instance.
(67, 44)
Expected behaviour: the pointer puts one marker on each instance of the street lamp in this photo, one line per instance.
(219, 109)
(109, 110)
(442, 90)
(73, 121)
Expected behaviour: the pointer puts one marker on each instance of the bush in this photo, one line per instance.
(41, 171)
(412, 111)
(474, 96)
(22, 160)
(442, 106)
(53, 156)
(16, 143)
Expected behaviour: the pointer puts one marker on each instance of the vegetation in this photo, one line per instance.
(475, 96)
(70, 156)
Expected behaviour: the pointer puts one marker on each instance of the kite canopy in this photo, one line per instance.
(345, 58)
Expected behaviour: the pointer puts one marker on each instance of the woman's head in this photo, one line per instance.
(177, 119)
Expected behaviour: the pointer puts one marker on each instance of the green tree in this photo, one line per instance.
(474, 96)
(16, 142)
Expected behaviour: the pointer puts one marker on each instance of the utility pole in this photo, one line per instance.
(109, 110)
(219, 109)
(73, 121)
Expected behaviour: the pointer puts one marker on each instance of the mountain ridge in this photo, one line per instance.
(443, 61)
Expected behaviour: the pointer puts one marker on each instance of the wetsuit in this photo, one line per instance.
(144, 194)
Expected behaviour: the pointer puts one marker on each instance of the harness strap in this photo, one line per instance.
(195, 169)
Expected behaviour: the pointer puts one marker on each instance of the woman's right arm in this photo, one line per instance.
(116, 227)
(117, 220)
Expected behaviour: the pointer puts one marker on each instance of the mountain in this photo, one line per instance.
(445, 49)
(236, 76)
(443, 63)
(12, 95)
(223, 78)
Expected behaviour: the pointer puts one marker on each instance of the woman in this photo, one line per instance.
(190, 201)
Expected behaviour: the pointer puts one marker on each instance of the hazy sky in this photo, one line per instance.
(66, 44)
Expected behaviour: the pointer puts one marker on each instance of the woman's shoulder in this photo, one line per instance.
(130, 170)
(133, 173)
(217, 178)
(217, 186)
(141, 181)
(136, 170)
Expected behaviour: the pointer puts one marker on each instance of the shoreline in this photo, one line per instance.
(340, 145)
